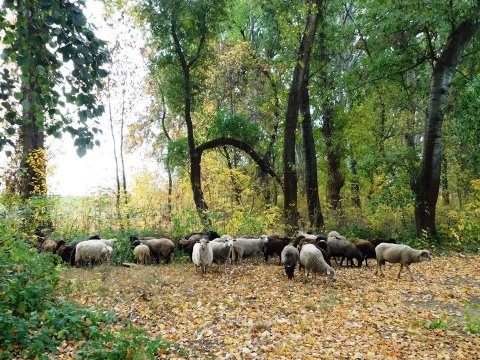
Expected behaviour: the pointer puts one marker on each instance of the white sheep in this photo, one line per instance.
(141, 253)
(202, 255)
(222, 251)
(311, 258)
(108, 242)
(399, 254)
(335, 235)
(92, 252)
(304, 235)
(244, 247)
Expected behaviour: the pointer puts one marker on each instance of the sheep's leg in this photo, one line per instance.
(379, 269)
(409, 272)
(366, 262)
(401, 268)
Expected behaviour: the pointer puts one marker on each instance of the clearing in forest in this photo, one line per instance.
(254, 312)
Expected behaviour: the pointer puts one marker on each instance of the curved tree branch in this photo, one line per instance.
(241, 145)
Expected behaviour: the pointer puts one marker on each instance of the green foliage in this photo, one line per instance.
(185, 222)
(178, 152)
(127, 344)
(436, 324)
(472, 319)
(35, 320)
(237, 126)
(39, 39)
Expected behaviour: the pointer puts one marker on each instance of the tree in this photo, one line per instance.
(293, 106)
(181, 32)
(39, 38)
(445, 65)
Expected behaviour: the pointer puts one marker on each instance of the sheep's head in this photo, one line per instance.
(424, 256)
(229, 242)
(133, 238)
(60, 246)
(136, 243)
(203, 244)
(264, 238)
(331, 274)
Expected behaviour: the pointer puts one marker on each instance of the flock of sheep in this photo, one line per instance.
(313, 252)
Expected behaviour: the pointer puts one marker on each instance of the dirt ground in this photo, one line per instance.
(254, 312)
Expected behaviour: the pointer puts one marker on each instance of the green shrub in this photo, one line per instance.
(472, 319)
(35, 321)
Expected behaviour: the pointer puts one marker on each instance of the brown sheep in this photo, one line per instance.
(158, 248)
(49, 245)
(366, 247)
(377, 241)
(274, 246)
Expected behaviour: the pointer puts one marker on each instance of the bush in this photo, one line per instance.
(35, 321)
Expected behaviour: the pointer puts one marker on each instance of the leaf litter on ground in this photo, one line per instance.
(254, 312)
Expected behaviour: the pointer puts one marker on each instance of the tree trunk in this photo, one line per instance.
(294, 99)
(33, 178)
(355, 186)
(336, 178)
(428, 181)
(445, 189)
(117, 175)
(237, 191)
(167, 161)
(315, 215)
(122, 161)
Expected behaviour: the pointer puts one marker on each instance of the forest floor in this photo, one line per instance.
(254, 312)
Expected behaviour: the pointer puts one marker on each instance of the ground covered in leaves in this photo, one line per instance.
(253, 312)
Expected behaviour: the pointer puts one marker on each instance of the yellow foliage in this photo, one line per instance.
(36, 160)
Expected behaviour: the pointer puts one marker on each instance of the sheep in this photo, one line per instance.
(311, 258)
(249, 247)
(141, 253)
(321, 245)
(158, 248)
(345, 250)
(108, 242)
(299, 235)
(399, 254)
(48, 245)
(92, 252)
(67, 251)
(289, 258)
(202, 255)
(275, 245)
(336, 235)
(377, 241)
(210, 235)
(366, 247)
(222, 251)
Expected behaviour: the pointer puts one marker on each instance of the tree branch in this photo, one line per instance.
(241, 145)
